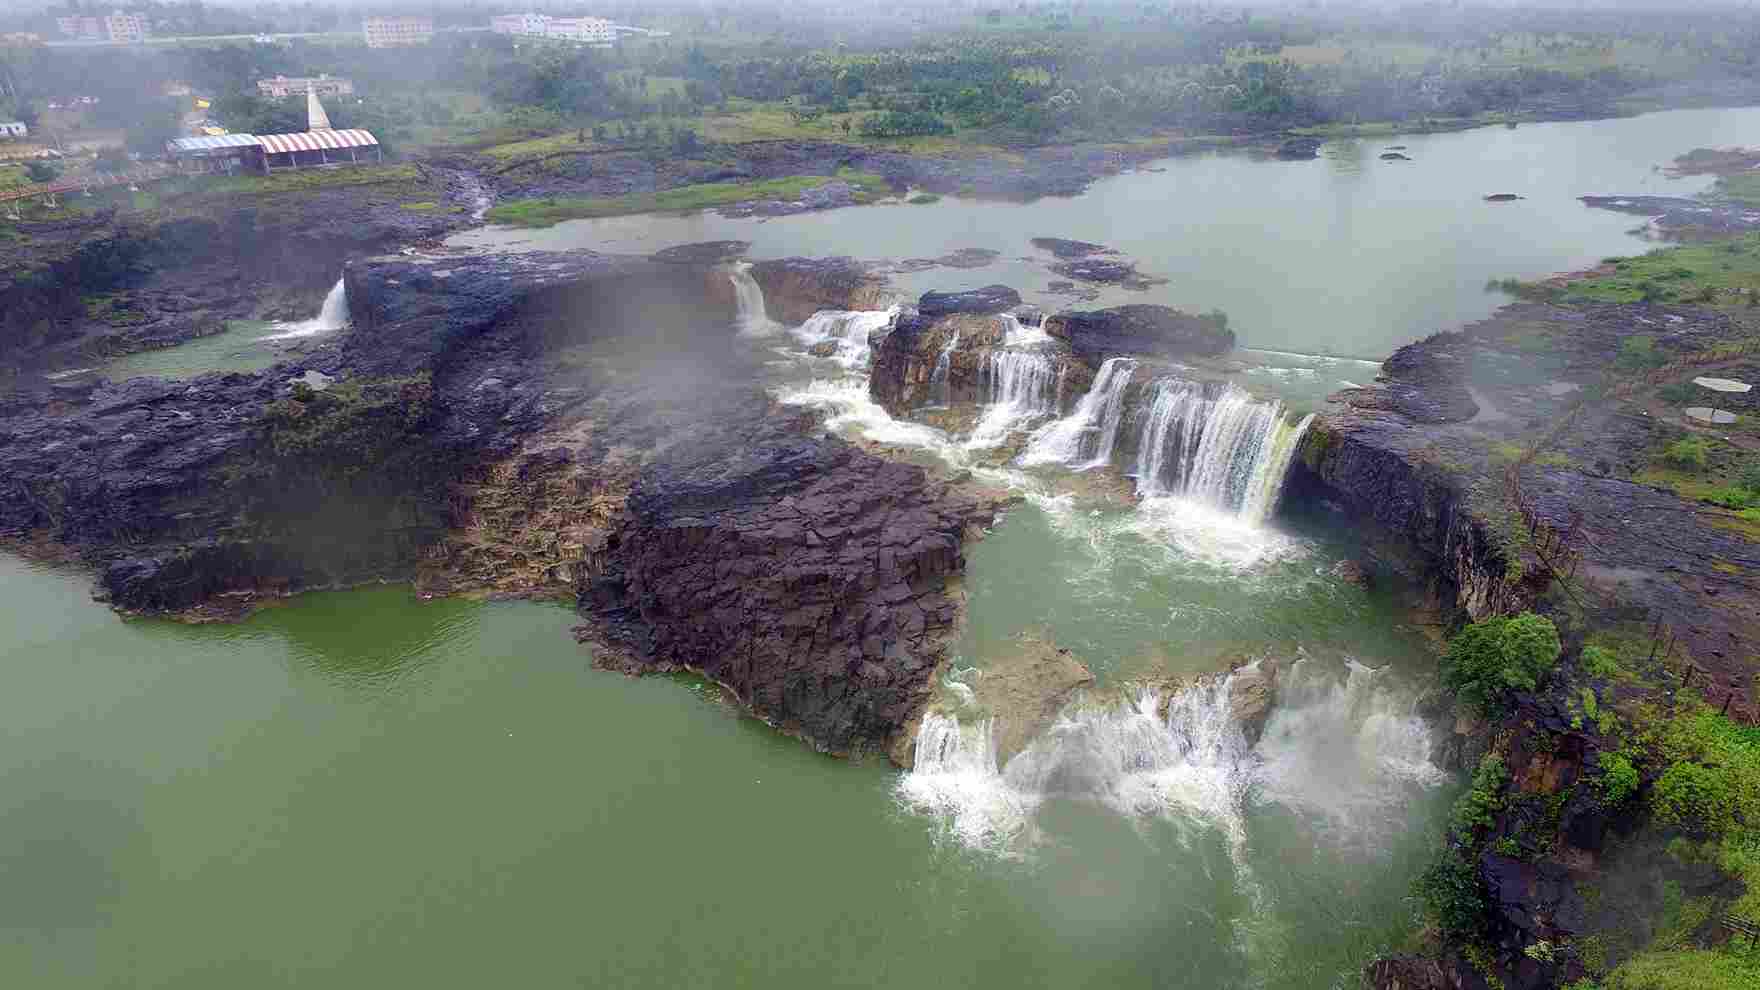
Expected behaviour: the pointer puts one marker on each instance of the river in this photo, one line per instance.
(362, 789)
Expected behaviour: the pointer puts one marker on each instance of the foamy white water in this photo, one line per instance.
(1084, 439)
(851, 331)
(751, 316)
(333, 315)
(1023, 389)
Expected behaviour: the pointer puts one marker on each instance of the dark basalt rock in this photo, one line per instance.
(1393, 156)
(1068, 249)
(1149, 330)
(1502, 198)
(1676, 215)
(796, 288)
(1104, 271)
(989, 299)
(703, 253)
(1299, 148)
(804, 574)
(181, 487)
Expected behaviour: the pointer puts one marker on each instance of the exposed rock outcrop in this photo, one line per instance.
(803, 574)
(989, 299)
(796, 288)
(1067, 249)
(1149, 330)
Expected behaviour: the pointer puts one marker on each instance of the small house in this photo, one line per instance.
(13, 129)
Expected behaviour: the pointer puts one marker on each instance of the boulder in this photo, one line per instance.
(1299, 148)
(1105, 271)
(989, 299)
(1025, 688)
(796, 288)
(1252, 695)
(702, 253)
(1393, 156)
(1147, 329)
(1502, 198)
(1067, 249)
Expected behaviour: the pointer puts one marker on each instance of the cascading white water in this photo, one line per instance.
(1084, 439)
(943, 369)
(751, 316)
(333, 315)
(1342, 752)
(850, 330)
(1223, 448)
(1022, 389)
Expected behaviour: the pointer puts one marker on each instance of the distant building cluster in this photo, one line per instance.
(324, 85)
(21, 38)
(115, 26)
(389, 32)
(588, 30)
(13, 129)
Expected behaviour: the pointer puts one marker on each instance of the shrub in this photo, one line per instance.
(1687, 453)
(1638, 352)
(1454, 896)
(1619, 779)
(1599, 662)
(1693, 798)
(41, 172)
(1475, 808)
(1690, 969)
(1489, 659)
(1749, 477)
(924, 199)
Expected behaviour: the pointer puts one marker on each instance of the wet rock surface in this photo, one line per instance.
(1024, 688)
(796, 288)
(1068, 249)
(805, 575)
(702, 253)
(167, 280)
(1106, 271)
(989, 299)
(1677, 216)
(1150, 330)
(1420, 461)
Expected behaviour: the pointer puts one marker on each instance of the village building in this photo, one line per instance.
(281, 87)
(319, 146)
(13, 129)
(388, 32)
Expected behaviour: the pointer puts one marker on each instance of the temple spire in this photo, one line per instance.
(316, 118)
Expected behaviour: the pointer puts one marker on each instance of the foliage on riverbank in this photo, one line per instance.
(545, 212)
(1725, 274)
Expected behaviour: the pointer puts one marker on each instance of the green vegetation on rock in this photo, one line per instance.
(544, 212)
(1489, 659)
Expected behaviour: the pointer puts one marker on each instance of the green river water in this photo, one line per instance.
(362, 789)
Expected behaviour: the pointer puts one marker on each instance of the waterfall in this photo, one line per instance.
(1084, 439)
(1015, 334)
(333, 315)
(751, 316)
(943, 369)
(1022, 387)
(1223, 448)
(850, 330)
(1345, 753)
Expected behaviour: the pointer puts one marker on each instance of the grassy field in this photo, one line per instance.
(301, 181)
(1726, 273)
(544, 212)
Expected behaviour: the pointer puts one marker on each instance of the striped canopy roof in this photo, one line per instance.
(280, 144)
(215, 142)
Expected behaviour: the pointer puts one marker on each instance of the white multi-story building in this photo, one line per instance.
(386, 32)
(587, 30)
(590, 30)
(531, 25)
(127, 27)
(13, 129)
(114, 26)
(83, 28)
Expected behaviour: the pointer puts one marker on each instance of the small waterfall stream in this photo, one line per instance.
(1223, 448)
(1023, 387)
(941, 376)
(1084, 439)
(752, 318)
(849, 329)
(333, 315)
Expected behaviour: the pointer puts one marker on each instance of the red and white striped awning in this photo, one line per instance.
(281, 144)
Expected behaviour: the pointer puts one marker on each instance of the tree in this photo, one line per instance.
(1489, 659)
(41, 171)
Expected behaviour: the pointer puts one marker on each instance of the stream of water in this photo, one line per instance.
(362, 789)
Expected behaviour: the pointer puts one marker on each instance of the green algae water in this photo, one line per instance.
(360, 789)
